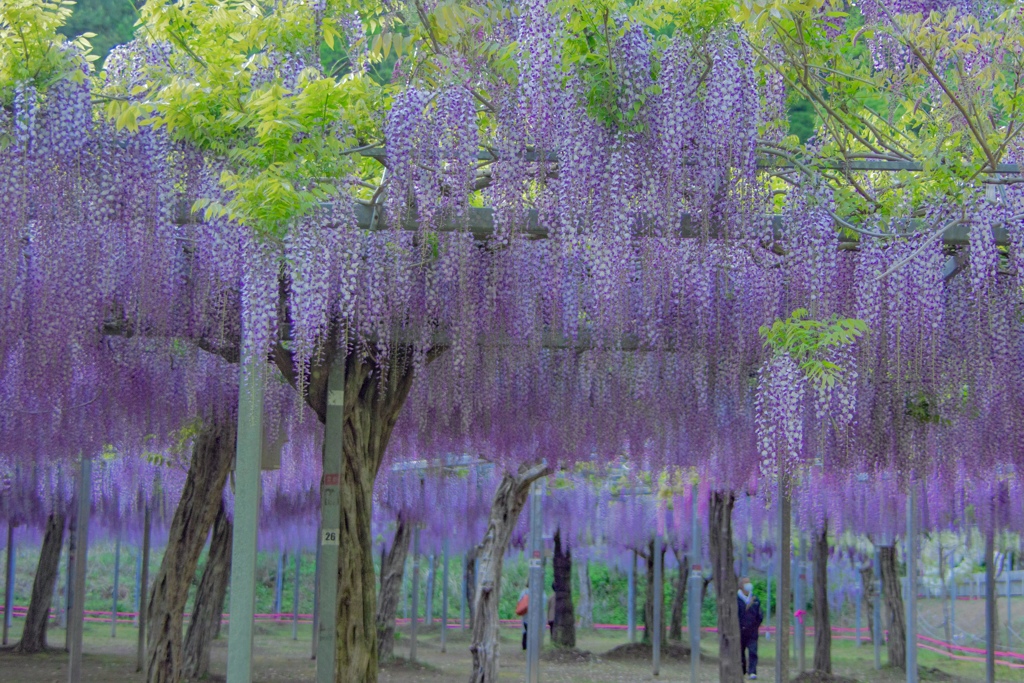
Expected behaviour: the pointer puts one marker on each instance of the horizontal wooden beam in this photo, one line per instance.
(380, 154)
(480, 222)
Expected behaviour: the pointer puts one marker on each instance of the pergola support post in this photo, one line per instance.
(444, 597)
(695, 588)
(314, 640)
(990, 599)
(877, 608)
(631, 598)
(858, 621)
(9, 586)
(279, 585)
(782, 614)
(462, 598)
(117, 576)
(415, 592)
(658, 590)
(911, 601)
(800, 600)
(76, 618)
(140, 655)
(248, 451)
(535, 615)
(295, 596)
(326, 632)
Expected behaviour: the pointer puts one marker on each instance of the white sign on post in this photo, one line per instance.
(330, 537)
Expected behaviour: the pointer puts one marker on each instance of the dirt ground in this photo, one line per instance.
(279, 659)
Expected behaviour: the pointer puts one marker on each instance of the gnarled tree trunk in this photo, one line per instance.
(392, 570)
(822, 618)
(33, 638)
(209, 603)
(563, 633)
(469, 573)
(730, 665)
(212, 454)
(374, 397)
(892, 593)
(867, 592)
(675, 629)
(649, 598)
(372, 405)
(509, 499)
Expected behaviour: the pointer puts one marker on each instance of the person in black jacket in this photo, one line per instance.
(750, 621)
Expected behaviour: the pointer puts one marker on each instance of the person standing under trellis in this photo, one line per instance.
(750, 623)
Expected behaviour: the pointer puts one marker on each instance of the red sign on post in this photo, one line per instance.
(332, 479)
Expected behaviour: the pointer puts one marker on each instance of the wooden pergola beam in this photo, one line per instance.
(480, 222)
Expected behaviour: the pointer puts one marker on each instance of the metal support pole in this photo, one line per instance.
(782, 612)
(279, 585)
(911, 602)
(535, 615)
(694, 590)
(1009, 611)
(444, 596)
(326, 632)
(799, 602)
(631, 599)
(76, 620)
(117, 576)
(658, 590)
(248, 452)
(876, 636)
(9, 586)
(462, 597)
(315, 641)
(952, 598)
(768, 606)
(990, 607)
(140, 656)
(69, 582)
(135, 589)
(405, 594)
(428, 615)
(295, 596)
(859, 601)
(415, 592)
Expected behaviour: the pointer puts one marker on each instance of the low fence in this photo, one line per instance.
(1008, 659)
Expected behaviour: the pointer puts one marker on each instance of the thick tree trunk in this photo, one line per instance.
(563, 633)
(675, 629)
(509, 499)
(586, 610)
(392, 571)
(649, 598)
(822, 618)
(730, 666)
(867, 592)
(209, 602)
(469, 572)
(372, 406)
(212, 454)
(892, 593)
(33, 638)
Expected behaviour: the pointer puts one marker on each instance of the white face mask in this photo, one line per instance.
(748, 588)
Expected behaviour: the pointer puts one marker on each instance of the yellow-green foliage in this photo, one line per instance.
(31, 49)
